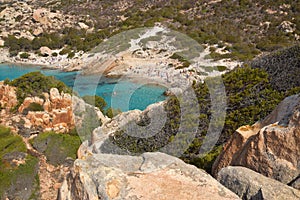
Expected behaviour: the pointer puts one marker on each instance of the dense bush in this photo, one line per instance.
(35, 84)
(24, 55)
(33, 107)
(95, 101)
(54, 54)
(185, 63)
(283, 67)
(111, 112)
(250, 97)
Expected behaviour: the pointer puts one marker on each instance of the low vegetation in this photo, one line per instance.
(95, 101)
(14, 178)
(250, 97)
(245, 28)
(33, 107)
(57, 147)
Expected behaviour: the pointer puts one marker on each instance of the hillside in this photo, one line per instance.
(244, 28)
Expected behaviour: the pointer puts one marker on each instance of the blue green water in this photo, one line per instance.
(122, 94)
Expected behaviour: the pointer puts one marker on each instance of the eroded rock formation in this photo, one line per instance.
(270, 147)
(55, 112)
(57, 115)
(8, 97)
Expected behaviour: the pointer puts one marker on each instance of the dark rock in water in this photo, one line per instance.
(250, 185)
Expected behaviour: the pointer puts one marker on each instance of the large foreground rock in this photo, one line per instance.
(251, 185)
(149, 176)
(270, 147)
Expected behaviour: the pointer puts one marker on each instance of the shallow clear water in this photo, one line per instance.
(122, 94)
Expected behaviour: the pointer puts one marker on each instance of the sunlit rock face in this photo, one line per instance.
(148, 176)
(270, 147)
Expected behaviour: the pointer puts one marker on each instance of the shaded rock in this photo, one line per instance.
(295, 183)
(149, 176)
(248, 184)
(14, 158)
(270, 147)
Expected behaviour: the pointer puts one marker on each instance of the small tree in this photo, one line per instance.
(95, 101)
(24, 55)
(111, 112)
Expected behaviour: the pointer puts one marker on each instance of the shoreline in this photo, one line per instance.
(148, 67)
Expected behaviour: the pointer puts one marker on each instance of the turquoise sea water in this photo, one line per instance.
(122, 94)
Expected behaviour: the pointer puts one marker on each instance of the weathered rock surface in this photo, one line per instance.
(101, 172)
(149, 176)
(57, 115)
(8, 97)
(41, 15)
(248, 184)
(270, 147)
(45, 51)
(19, 18)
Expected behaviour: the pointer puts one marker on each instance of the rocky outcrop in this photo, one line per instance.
(248, 184)
(45, 51)
(149, 176)
(105, 171)
(41, 15)
(20, 18)
(57, 115)
(8, 97)
(270, 147)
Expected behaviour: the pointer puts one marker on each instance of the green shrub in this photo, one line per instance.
(24, 55)
(111, 112)
(33, 107)
(35, 84)
(95, 101)
(185, 62)
(64, 51)
(222, 68)
(207, 161)
(57, 147)
(71, 54)
(54, 54)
